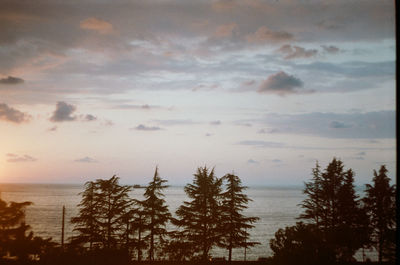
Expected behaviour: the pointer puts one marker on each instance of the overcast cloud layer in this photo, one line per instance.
(141, 83)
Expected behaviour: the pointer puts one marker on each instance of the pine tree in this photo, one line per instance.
(234, 223)
(102, 213)
(85, 223)
(156, 214)
(334, 208)
(199, 219)
(381, 207)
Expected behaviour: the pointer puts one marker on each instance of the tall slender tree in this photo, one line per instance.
(199, 219)
(381, 206)
(156, 213)
(234, 223)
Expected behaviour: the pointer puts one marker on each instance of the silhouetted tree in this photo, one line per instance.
(333, 206)
(234, 224)
(15, 238)
(301, 244)
(85, 223)
(102, 214)
(156, 214)
(381, 207)
(199, 219)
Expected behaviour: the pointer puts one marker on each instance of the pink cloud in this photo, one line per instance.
(98, 25)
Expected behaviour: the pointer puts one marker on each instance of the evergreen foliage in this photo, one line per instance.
(102, 215)
(156, 213)
(234, 223)
(381, 207)
(199, 219)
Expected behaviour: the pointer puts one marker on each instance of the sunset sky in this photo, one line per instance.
(92, 88)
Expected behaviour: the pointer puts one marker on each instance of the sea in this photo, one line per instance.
(276, 207)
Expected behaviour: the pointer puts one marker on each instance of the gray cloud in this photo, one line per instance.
(63, 112)
(262, 144)
(276, 160)
(175, 122)
(89, 117)
(339, 125)
(330, 49)
(294, 52)
(142, 127)
(265, 34)
(131, 106)
(252, 161)
(86, 159)
(281, 83)
(10, 80)
(10, 114)
(216, 122)
(370, 125)
(53, 129)
(13, 158)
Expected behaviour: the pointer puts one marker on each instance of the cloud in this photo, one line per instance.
(262, 144)
(89, 117)
(13, 158)
(251, 161)
(361, 153)
(330, 49)
(142, 127)
(209, 134)
(281, 83)
(131, 106)
(175, 122)
(63, 112)
(339, 125)
(216, 122)
(12, 115)
(86, 159)
(293, 52)
(98, 25)
(369, 125)
(265, 35)
(11, 80)
(276, 160)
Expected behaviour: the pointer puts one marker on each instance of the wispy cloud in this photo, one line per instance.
(176, 122)
(10, 114)
(262, 144)
(10, 80)
(89, 117)
(216, 122)
(86, 159)
(265, 34)
(14, 158)
(97, 25)
(252, 161)
(294, 52)
(142, 127)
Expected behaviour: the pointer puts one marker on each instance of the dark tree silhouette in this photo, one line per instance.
(381, 206)
(85, 223)
(15, 238)
(234, 224)
(301, 244)
(102, 215)
(199, 218)
(156, 213)
(333, 206)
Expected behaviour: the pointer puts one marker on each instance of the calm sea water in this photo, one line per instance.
(276, 207)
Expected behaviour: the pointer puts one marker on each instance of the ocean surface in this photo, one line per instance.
(276, 207)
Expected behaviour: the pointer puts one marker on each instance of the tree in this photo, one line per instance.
(102, 214)
(234, 223)
(300, 244)
(85, 223)
(381, 207)
(156, 212)
(333, 206)
(14, 239)
(199, 218)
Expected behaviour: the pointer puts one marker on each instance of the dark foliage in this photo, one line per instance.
(199, 219)
(234, 223)
(381, 207)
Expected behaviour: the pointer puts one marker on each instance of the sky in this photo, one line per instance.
(264, 89)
